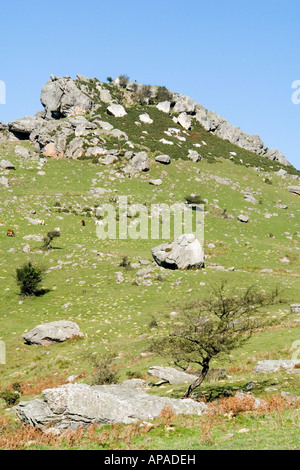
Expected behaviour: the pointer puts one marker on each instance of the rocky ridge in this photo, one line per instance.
(72, 126)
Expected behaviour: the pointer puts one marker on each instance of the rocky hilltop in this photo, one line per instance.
(86, 118)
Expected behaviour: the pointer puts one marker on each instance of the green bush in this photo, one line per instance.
(105, 373)
(123, 80)
(50, 236)
(163, 94)
(194, 199)
(28, 278)
(11, 398)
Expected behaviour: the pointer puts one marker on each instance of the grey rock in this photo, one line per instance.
(194, 156)
(145, 118)
(4, 182)
(22, 151)
(183, 104)
(277, 156)
(6, 165)
(223, 180)
(155, 182)
(185, 252)
(243, 218)
(248, 197)
(268, 366)
(116, 110)
(295, 308)
(62, 98)
(184, 120)
(140, 161)
(165, 159)
(79, 405)
(171, 375)
(294, 190)
(23, 127)
(164, 106)
(51, 333)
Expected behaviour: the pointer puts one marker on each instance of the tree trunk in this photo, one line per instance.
(197, 382)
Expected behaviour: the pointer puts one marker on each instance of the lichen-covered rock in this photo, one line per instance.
(51, 333)
(79, 405)
(62, 98)
(185, 252)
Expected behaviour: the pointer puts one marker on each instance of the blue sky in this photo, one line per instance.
(237, 57)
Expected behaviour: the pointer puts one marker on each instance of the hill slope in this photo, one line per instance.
(119, 308)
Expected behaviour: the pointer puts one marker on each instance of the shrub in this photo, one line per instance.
(144, 95)
(163, 94)
(48, 239)
(28, 278)
(123, 80)
(11, 398)
(105, 373)
(194, 199)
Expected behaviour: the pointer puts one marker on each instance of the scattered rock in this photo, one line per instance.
(184, 252)
(268, 366)
(171, 375)
(145, 118)
(164, 106)
(165, 159)
(51, 333)
(295, 308)
(6, 165)
(116, 110)
(243, 218)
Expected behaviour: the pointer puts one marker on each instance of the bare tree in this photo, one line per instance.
(215, 326)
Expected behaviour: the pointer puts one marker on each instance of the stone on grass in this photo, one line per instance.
(116, 110)
(295, 308)
(184, 252)
(51, 333)
(171, 375)
(268, 366)
(165, 159)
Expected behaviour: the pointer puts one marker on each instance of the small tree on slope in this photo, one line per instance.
(214, 326)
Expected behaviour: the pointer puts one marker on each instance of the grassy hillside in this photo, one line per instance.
(121, 318)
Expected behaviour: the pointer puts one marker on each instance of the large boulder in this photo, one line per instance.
(62, 98)
(80, 405)
(51, 333)
(183, 104)
(164, 106)
(116, 110)
(185, 252)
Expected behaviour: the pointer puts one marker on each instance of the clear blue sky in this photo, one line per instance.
(237, 57)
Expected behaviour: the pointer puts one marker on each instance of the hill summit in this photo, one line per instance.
(86, 118)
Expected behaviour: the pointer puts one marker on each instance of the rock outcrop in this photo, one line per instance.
(62, 98)
(80, 405)
(71, 99)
